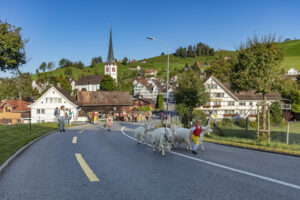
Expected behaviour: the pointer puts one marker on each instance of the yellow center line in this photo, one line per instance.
(87, 170)
(81, 131)
(74, 140)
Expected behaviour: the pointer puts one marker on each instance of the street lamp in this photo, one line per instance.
(166, 45)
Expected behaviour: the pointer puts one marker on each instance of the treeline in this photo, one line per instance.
(195, 50)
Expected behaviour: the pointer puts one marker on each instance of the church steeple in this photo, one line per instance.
(110, 57)
(111, 67)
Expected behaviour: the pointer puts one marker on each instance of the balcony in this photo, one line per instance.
(228, 115)
(216, 106)
(286, 106)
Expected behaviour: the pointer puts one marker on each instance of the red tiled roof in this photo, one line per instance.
(17, 105)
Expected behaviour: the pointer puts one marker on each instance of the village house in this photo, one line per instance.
(151, 72)
(293, 73)
(39, 85)
(88, 83)
(114, 102)
(140, 102)
(225, 103)
(14, 112)
(42, 110)
(149, 88)
(135, 68)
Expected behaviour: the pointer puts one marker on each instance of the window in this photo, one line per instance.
(231, 103)
(113, 69)
(242, 112)
(107, 69)
(42, 111)
(242, 103)
(250, 103)
(217, 103)
(59, 100)
(38, 111)
(55, 100)
(51, 100)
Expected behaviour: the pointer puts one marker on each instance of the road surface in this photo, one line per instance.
(87, 162)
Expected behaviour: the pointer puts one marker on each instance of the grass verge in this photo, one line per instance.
(12, 138)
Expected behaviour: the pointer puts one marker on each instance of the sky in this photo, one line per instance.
(79, 29)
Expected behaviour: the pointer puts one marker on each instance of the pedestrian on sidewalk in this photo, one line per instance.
(62, 118)
(109, 122)
(56, 115)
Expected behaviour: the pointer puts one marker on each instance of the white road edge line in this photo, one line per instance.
(81, 131)
(225, 167)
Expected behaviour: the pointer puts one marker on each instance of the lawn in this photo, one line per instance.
(12, 138)
(237, 136)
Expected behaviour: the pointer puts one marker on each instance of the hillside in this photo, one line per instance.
(292, 54)
(291, 49)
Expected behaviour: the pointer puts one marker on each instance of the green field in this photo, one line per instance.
(13, 137)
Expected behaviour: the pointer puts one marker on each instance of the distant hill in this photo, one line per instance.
(291, 49)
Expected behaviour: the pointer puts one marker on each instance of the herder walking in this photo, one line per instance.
(195, 135)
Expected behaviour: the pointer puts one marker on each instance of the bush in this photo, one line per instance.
(253, 124)
(242, 123)
(227, 122)
(219, 124)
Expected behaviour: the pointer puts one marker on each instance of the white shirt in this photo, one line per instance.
(61, 113)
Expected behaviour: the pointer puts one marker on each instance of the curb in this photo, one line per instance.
(22, 149)
(253, 148)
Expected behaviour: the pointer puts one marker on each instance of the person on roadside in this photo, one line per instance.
(70, 116)
(56, 115)
(109, 122)
(195, 135)
(62, 118)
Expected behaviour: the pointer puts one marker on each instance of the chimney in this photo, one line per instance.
(58, 85)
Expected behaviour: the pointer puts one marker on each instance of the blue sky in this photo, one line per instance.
(79, 30)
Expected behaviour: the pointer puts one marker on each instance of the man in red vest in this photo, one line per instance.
(195, 135)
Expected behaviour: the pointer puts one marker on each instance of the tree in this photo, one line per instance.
(65, 63)
(108, 83)
(257, 68)
(276, 113)
(296, 102)
(191, 90)
(125, 86)
(125, 61)
(12, 47)
(43, 66)
(160, 101)
(96, 60)
(162, 53)
(50, 66)
(78, 65)
(68, 71)
(37, 71)
(221, 69)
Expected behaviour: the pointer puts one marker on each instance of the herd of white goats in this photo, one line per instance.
(166, 138)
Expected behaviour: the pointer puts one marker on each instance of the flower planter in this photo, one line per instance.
(228, 115)
(206, 106)
(216, 106)
(252, 115)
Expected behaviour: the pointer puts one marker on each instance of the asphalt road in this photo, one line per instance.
(49, 169)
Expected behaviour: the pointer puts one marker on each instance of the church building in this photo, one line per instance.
(110, 67)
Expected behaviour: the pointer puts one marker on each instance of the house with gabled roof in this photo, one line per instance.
(225, 103)
(14, 112)
(88, 83)
(42, 110)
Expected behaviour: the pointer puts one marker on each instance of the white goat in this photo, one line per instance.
(181, 135)
(163, 138)
(141, 133)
